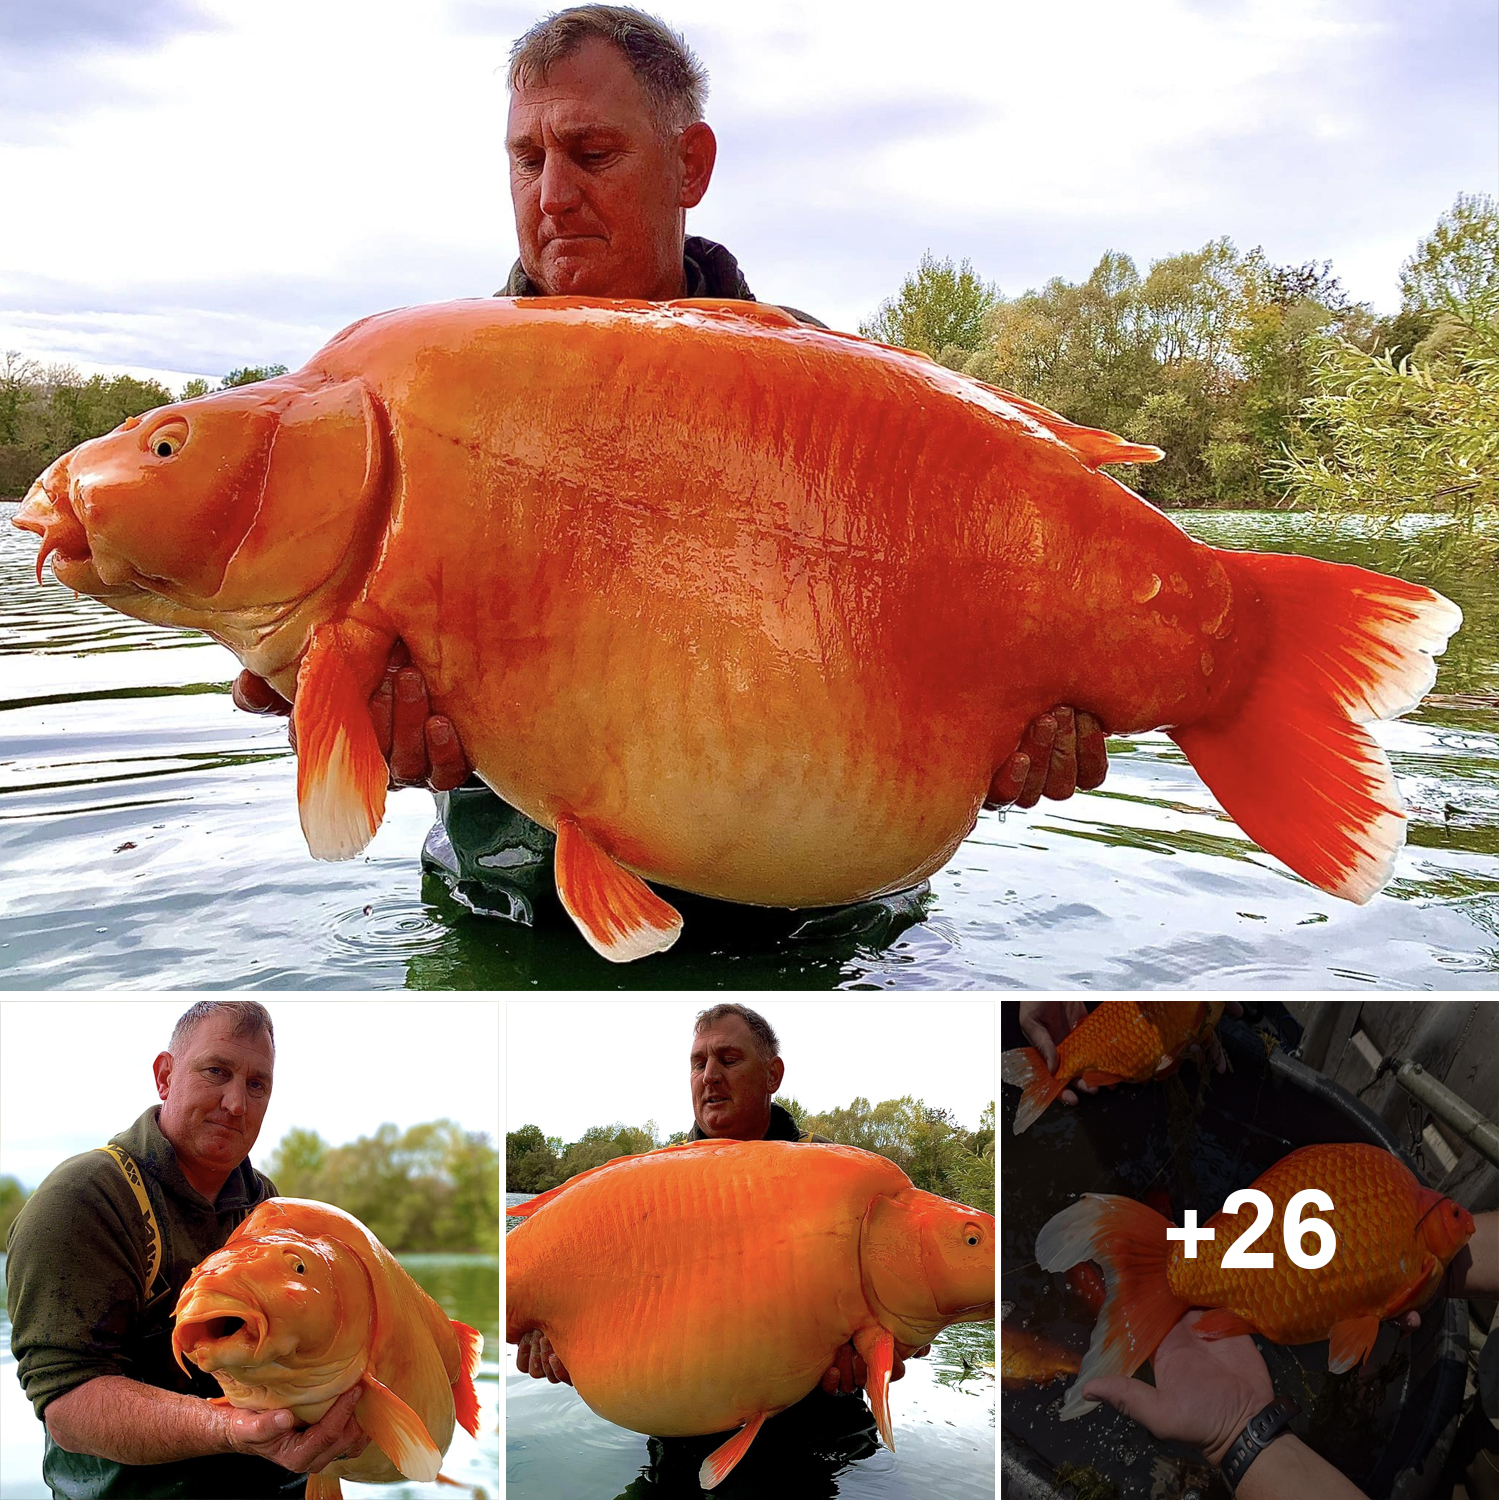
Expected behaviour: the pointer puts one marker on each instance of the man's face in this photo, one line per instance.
(214, 1092)
(732, 1083)
(599, 195)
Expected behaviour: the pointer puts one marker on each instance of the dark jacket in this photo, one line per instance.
(80, 1307)
(783, 1128)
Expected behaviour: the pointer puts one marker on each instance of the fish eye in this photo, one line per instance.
(168, 438)
(972, 1234)
(301, 1269)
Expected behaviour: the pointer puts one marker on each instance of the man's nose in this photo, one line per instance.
(559, 185)
(232, 1101)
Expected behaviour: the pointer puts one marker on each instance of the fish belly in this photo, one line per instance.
(685, 1296)
(765, 614)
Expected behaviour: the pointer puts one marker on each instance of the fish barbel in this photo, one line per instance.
(704, 1286)
(301, 1304)
(1119, 1041)
(752, 609)
(1394, 1241)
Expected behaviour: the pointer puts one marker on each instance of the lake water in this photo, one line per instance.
(942, 1416)
(149, 838)
(467, 1287)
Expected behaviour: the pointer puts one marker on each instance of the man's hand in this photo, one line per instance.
(848, 1372)
(1206, 1389)
(1047, 1022)
(272, 1435)
(1060, 753)
(536, 1357)
(420, 747)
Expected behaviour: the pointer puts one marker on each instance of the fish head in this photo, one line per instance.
(278, 1318)
(1444, 1227)
(245, 498)
(927, 1262)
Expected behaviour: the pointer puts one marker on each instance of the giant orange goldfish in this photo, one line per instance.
(1394, 1239)
(752, 609)
(1120, 1041)
(301, 1304)
(709, 1285)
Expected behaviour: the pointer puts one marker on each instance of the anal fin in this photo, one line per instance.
(877, 1347)
(716, 1466)
(398, 1431)
(324, 1485)
(619, 914)
(1221, 1324)
(1351, 1341)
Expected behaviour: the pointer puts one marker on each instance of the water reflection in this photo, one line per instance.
(148, 836)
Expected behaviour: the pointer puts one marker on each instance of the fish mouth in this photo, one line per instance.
(217, 1332)
(51, 516)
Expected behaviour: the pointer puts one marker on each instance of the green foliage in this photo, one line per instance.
(12, 1196)
(195, 387)
(940, 311)
(249, 374)
(927, 1144)
(1456, 264)
(432, 1187)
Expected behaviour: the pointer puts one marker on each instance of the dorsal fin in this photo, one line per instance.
(1093, 445)
(754, 312)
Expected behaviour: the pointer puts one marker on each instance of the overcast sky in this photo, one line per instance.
(191, 185)
(79, 1072)
(573, 1064)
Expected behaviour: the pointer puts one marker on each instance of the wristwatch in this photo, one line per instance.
(1258, 1434)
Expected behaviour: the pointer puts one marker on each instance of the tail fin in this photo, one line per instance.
(465, 1397)
(1289, 762)
(1023, 1067)
(1129, 1241)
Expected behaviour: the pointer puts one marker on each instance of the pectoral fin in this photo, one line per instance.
(718, 1463)
(1350, 1342)
(398, 1431)
(341, 774)
(877, 1347)
(1221, 1324)
(323, 1486)
(619, 914)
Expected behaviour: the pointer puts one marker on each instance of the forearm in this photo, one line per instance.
(1290, 1470)
(130, 1423)
(1474, 1270)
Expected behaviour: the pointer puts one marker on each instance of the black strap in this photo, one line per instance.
(1258, 1434)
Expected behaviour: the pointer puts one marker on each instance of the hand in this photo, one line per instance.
(271, 1434)
(1206, 1389)
(536, 1357)
(421, 748)
(1060, 753)
(849, 1373)
(1045, 1022)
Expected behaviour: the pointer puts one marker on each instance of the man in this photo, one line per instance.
(98, 1257)
(608, 150)
(734, 1071)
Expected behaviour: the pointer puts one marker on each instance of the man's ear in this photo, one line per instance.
(777, 1072)
(698, 149)
(161, 1070)
(326, 464)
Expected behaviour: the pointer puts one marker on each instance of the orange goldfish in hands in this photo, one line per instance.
(301, 1304)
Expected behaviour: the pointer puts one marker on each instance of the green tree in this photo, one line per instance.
(12, 1197)
(939, 311)
(249, 374)
(1456, 264)
(195, 387)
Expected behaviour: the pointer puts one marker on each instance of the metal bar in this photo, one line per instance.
(1460, 1117)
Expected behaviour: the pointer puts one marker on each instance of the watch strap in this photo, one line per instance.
(1259, 1432)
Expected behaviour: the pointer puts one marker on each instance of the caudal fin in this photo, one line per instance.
(1129, 1241)
(1023, 1067)
(1289, 761)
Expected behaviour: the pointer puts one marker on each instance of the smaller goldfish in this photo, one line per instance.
(1121, 1041)
(1029, 1359)
(1394, 1239)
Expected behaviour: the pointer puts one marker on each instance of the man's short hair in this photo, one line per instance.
(760, 1028)
(674, 81)
(250, 1018)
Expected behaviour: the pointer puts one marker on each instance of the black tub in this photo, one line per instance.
(1390, 1434)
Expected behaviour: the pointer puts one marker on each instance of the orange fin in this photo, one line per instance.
(1350, 1342)
(1129, 1243)
(1093, 446)
(465, 1397)
(1023, 1067)
(220, 1401)
(398, 1431)
(619, 914)
(323, 1486)
(878, 1348)
(341, 774)
(1096, 1078)
(1221, 1324)
(718, 1463)
(1288, 761)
